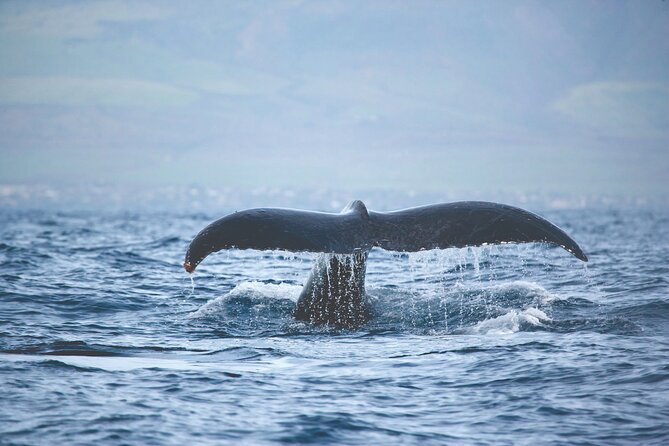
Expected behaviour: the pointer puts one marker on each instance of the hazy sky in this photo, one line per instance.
(472, 95)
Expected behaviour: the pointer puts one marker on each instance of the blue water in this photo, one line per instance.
(104, 339)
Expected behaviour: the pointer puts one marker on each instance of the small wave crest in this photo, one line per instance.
(82, 348)
(63, 348)
(252, 299)
(511, 322)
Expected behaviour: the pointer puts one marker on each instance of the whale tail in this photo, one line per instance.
(334, 294)
(355, 229)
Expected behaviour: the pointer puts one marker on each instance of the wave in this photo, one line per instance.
(253, 299)
(82, 348)
(511, 322)
(257, 308)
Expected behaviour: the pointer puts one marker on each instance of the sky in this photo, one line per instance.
(567, 97)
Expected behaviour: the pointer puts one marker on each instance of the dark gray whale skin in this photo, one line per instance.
(334, 294)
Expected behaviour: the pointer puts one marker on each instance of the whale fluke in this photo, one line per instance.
(446, 225)
(334, 293)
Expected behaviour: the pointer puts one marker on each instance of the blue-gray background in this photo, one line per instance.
(566, 97)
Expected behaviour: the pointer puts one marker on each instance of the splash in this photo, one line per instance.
(456, 291)
(255, 294)
(510, 322)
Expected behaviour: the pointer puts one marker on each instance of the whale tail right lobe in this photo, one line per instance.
(467, 223)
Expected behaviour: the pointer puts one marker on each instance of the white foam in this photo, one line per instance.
(510, 322)
(253, 290)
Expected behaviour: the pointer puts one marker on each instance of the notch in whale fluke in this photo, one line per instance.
(355, 229)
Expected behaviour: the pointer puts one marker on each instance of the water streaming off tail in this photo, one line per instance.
(455, 291)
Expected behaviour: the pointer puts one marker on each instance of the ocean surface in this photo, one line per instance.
(104, 338)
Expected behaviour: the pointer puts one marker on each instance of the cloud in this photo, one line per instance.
(82, 20)
(619, 109)
(83, 91)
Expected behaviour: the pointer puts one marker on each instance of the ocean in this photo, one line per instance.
(104, 338)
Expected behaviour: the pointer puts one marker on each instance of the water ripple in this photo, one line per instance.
(105, 340)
